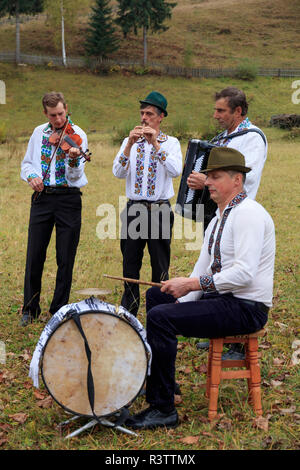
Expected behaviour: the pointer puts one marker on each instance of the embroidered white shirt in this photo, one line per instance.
(247, 254)
(60, 173)
(255, 151)
(149, 173)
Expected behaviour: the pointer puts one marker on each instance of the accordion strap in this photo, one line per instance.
(237, 134)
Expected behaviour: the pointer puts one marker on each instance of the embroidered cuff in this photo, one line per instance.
(74, 162)
(123, 159)
(207, 284)
(162, 155)
(31, 177)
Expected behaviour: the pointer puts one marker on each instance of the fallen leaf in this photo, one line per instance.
(276, 383)
(187, 370)
(296, 344)
(295, 359)
(177, 399)
(39, 395)
(225, 424)
(285, 411)
(277, 361)
(46, 403)
(27, 385)
(189, 440)
(3, 441)
(26, 356)
(19, 417)
(202, 369)
(282, 326)
(5, 427)
(221, 444)
(261, 423)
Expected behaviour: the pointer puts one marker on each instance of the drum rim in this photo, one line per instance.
(84, 312)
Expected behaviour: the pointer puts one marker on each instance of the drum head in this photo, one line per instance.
(119, 364)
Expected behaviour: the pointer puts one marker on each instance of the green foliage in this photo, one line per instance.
(246, 70)
(136, 14)
(3, 132)
(71, 8)
(122, 131)
(11, 7)
(101, 40)
(188, 55)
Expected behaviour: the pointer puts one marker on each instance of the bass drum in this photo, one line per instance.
(118, 363)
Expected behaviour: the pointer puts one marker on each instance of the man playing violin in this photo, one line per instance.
(56, 176)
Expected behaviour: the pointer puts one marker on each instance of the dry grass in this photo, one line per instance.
(220, 33)
(236, 427)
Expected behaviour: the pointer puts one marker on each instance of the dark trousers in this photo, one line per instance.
(213, 316)
(64, 212)
(152, 227)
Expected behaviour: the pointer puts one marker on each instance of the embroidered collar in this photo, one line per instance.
(234, 202)
(216, 265)
(245, 124)
(237, 199)
(162, 137)
(48, 129)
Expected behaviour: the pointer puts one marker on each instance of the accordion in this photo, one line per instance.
(189, 201)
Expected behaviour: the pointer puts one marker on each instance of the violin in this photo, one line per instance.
(66, 138)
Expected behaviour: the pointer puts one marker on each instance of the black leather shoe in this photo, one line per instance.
(152, 418)
(26, 319)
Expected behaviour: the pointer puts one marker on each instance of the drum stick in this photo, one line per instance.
(135, 281)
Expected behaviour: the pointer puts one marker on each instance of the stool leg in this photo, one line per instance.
(254, 382)
(216, 367)
(247, 360)
(208, 373)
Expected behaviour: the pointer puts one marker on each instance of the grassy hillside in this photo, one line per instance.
(102, 104)
(202, 33)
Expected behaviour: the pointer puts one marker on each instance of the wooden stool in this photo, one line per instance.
(252, 373)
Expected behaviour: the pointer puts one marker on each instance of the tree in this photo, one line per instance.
(59, 13)
(145, 14)
(101, 39)
(15, 8)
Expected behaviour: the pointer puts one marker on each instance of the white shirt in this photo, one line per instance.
(247, 254)
(149, 173)
(254, 149)
(62, 171)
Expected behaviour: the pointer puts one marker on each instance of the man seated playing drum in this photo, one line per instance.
(228, 293)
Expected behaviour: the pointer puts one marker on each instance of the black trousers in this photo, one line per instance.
(213, 316)
(151, 225)
(62, 210)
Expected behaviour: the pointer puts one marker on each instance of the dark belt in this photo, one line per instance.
(149, 204)
(60, 190)
(258, 305)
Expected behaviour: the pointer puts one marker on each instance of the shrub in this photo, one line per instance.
(3, 133)
(246, 70)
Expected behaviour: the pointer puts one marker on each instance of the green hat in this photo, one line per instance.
(226, 158)
(156, 99)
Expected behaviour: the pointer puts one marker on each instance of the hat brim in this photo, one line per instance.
(156, 106)
(241, 169)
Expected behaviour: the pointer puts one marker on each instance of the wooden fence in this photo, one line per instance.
(160, 68)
